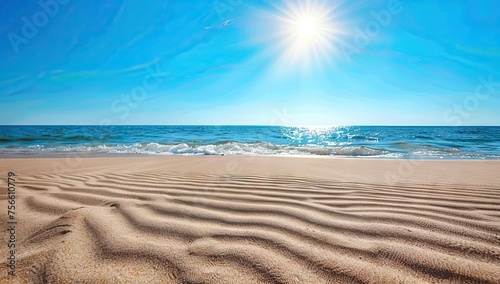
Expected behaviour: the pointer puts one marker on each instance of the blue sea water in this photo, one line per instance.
(469, 142)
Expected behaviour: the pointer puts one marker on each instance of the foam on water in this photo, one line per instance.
(383, 142)
(235, 148)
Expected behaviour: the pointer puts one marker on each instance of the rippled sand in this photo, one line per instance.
(253, 220)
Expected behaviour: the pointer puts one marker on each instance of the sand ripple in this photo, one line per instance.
(168, 228)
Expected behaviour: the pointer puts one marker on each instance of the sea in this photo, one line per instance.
(388, 142)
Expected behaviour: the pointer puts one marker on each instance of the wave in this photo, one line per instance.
(390, 142)
(257, 148)
(228, 148)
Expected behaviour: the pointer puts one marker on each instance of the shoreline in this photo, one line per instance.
(51, 155)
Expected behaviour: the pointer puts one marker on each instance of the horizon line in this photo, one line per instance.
(260, 125)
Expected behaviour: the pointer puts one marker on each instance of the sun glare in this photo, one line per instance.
(307, 27)
(308, 32)
(302, 35)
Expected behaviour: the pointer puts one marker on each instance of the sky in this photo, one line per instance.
(244, 62)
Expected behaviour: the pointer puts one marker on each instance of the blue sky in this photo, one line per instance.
(381, 62)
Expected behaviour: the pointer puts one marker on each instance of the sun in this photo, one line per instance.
(307, 27)
(308, 32)
(301, 35)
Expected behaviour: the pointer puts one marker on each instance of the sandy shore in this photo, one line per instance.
(224, 219)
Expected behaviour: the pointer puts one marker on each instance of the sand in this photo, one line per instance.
(226, 219)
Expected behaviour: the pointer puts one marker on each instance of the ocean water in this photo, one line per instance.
(397, 142)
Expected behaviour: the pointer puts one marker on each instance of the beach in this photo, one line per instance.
(251, 219)
(235, 142)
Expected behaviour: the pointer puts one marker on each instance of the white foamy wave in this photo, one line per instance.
(230, 148)
(238, 148)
